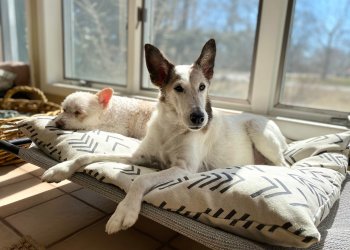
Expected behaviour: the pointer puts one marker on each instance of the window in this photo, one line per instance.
(95, 40)
(13, 31)
(317, 62)
(180, 29)
(285, 59)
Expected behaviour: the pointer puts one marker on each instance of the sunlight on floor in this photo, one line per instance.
(66, 216)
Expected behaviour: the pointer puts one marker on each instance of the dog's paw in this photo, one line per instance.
(57, 173)
(123, 218)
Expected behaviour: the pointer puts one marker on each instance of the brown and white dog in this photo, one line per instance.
(184, 134)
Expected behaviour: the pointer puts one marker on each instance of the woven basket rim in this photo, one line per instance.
(8, 126)
(25, 89)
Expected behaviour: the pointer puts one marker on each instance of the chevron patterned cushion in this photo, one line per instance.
(276, 205)
(64, 144)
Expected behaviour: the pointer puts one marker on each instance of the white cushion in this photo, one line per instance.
(276, 205)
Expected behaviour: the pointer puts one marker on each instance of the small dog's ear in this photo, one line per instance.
(158, 66)
(206, 60)
(104, 96)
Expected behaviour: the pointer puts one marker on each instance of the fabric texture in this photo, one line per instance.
(276, 205)
(64, 144)
(334, 228)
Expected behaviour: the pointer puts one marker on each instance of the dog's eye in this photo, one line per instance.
(178, 88)
(202, 87)
(65, 110)
(76, 113)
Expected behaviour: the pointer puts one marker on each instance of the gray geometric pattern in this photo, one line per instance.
(275, 184)
(299, 150)
(217, 181)
(85, 143)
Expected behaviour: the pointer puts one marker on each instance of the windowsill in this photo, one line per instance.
(298, 129)
(64, 89)
(294, 129)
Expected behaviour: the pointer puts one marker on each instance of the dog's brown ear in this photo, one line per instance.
(104, 96)
(158, 66)
(206, 60)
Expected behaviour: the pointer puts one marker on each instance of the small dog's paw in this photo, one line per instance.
(123, 218)
(57, 173)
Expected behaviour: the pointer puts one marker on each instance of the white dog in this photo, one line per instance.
(184, 135)
(122, 115)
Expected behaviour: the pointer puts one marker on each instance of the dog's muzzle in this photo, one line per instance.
(197, 118)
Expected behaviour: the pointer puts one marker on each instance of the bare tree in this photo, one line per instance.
(99, 39)
(333, 32)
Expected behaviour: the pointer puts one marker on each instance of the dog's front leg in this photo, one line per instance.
(128, 209)
(65, 169)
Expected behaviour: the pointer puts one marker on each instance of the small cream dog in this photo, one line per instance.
(122, 115)
(184, 135)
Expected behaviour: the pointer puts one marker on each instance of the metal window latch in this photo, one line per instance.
(81, 82)
(344, 121)
(141, 14)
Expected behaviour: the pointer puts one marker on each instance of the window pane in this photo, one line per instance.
(180, 29)
(317, 66)
(13, 31)
(95, 40)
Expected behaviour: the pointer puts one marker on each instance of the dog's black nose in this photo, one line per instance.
(59, 124)
(197, 117)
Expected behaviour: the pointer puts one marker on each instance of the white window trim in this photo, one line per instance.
(49, 29)
(268, 55)
(265, 74)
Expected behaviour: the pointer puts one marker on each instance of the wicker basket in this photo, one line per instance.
(8, 128)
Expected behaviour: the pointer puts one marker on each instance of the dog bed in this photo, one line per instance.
(276, 205)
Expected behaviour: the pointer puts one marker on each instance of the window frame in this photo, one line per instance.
(51, 78)
(266, 67)
(295, 111)
(86, 82)
(215, 98)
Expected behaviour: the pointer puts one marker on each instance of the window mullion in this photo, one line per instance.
(271, 30)
(134, 47)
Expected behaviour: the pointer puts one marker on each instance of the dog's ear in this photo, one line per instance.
(104, 96)
(207, 59)
(158, 66)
